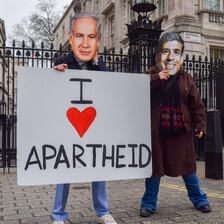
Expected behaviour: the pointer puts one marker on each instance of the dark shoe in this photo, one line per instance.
(205, 208)
(144, 212)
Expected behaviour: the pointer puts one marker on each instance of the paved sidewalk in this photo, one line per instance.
(31, 205)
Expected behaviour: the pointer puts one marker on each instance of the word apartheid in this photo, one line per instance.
(113, 156)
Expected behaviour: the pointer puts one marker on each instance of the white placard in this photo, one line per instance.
(192, 37)
(81, 126)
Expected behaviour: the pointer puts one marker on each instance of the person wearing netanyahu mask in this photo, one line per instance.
(177, 114)
(84, 37)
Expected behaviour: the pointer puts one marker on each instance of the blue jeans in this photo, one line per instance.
(99, 195)
(196, 195)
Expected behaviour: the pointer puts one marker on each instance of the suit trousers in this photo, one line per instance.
(99, 196)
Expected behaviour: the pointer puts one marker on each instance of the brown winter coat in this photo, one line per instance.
(175, 155)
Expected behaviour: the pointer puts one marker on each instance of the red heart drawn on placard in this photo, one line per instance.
(81, 121)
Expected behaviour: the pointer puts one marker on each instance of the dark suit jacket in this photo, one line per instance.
(73, 64)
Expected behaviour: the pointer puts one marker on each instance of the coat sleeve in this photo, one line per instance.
(196, 108)
(155, 81)
(101, 65)
(60, 60)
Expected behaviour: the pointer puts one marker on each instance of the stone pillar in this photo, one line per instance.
(213, 153)
(88, 6)
(117, 24)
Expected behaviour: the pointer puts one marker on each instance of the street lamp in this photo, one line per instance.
(143, 6)
(143, 36)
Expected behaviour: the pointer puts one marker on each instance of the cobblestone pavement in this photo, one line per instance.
(31, 205)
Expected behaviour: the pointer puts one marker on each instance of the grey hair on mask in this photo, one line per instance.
(84, 15)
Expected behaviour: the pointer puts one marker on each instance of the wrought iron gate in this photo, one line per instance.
(208, 75)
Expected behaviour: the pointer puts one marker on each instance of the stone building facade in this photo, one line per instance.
(2, 79)
(199, 22)
(2, 32)
(6, 76)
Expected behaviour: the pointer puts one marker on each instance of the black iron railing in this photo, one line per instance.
(208, 75)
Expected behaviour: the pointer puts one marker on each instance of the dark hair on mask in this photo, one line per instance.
(169, 37)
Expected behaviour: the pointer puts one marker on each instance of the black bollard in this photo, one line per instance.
(213, 152)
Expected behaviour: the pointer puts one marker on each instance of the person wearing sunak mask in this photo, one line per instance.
(177, 115)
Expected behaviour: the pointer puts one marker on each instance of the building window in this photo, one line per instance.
(131, 13)
(161, 7)
(84, 7)
(212, 5)
(97, 6)
(112, 32)
(217, 53)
